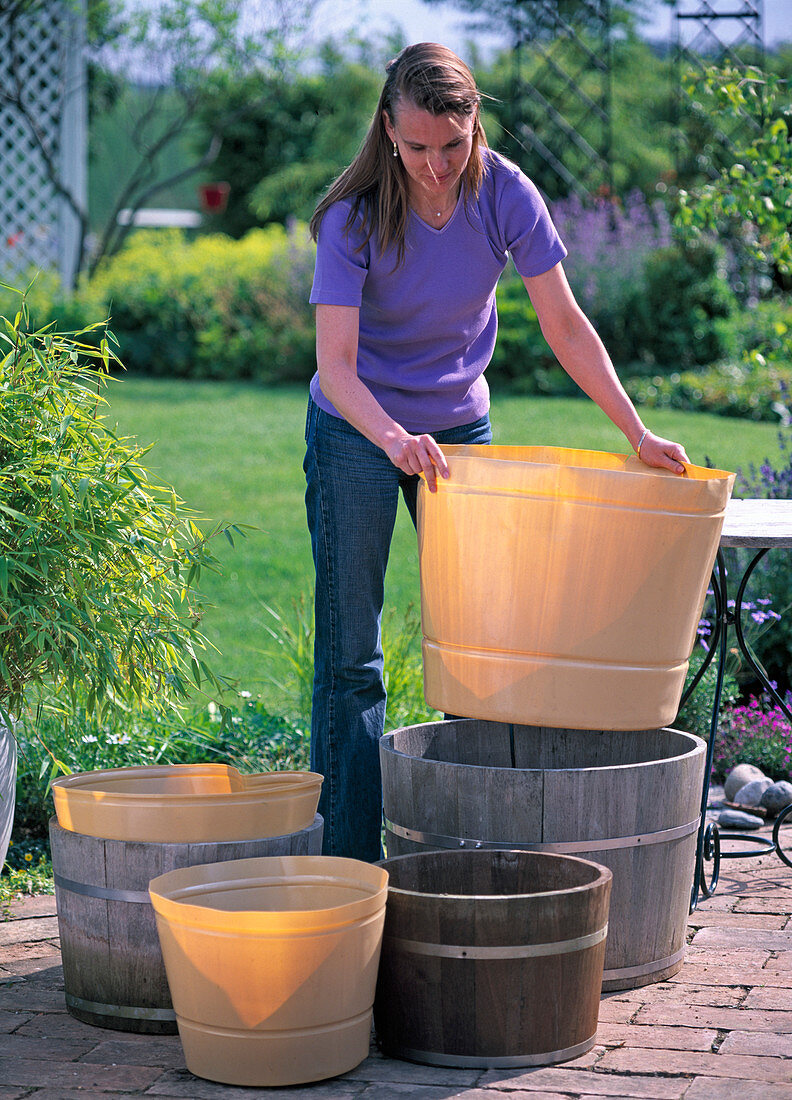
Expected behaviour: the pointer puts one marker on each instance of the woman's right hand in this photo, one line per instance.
(418, 454)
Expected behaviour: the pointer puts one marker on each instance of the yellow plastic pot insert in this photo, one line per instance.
(563, 587)
(185, 803)
(272, 965)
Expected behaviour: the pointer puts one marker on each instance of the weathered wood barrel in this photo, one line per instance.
(491, 958)
(113, 970)
(628, 799)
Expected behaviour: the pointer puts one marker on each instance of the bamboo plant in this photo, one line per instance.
(98, 564)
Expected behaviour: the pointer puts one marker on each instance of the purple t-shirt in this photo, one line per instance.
(428, 326)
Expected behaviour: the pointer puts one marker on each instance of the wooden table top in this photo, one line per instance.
(758, 523)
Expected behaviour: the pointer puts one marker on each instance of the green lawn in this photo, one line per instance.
(234, 452)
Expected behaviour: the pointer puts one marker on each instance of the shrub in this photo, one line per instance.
(754, 733)
(522, 357)
(696, 715)
(674, 318)
(209, 308)
(651, 300)
(247, 735)
(753, 389)
(773, 575)
(609, 245)
(98, 563)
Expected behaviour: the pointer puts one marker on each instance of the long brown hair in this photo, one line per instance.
(431, 77)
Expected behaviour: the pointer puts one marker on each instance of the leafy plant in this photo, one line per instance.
(97, 563)
(696, 715)
(755, 733)
(610, 243)
(752, 389)
(772, 480)
(243, 733)
(293, 662)
(209, 308)
(751, 197)
(30, 875)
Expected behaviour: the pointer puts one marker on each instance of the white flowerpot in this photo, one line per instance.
(8, 763)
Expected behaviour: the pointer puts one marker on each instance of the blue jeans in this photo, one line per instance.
(351, 498)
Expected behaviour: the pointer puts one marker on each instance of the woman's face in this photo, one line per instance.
(434, 149)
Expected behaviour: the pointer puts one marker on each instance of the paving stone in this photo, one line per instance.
(704, 956)
(26, 996)
(395, 1091)
(774, 999)
(156, 1050)
(44, 950)
(41, 972)
(46, 1072)
(732, 976)
(781, 963)
(613, 1011)
(585, 1083)
(772, 904)
(734, 938)
(27, 1046)
(689, 1062)
(28, 931)
(667, 993)
(757, 1042)
(187, 1087)
(721, 902)
(663, 1038)
(725, 1019)
(767, 921)
(377, 1068)
(478, 1094)
(60, 1025)
(12, 1021)
(39, 905)
(78, 1094)
(11, 1093)
(713, 1088)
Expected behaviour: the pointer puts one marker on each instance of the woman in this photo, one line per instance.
(411, 240)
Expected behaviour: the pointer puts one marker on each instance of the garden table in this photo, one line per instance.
(762, 526)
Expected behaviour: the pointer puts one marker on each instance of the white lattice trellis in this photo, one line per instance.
(41, 58)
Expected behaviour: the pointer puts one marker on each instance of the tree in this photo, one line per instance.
(751, 199)
(290, 137)
(176, 52)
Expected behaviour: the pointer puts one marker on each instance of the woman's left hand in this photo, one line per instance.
(664, 453)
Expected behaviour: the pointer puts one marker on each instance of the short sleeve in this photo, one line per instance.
(525, 225)
(341, 263)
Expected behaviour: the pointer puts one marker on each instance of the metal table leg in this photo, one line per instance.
(709, 847)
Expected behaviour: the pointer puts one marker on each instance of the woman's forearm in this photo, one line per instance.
(355, 402)
(582, 354)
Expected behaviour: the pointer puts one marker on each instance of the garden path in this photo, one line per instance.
(721, 1029)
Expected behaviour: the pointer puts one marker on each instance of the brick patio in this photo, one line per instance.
(720, 1030)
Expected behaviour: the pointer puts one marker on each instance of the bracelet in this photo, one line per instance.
(640, 441)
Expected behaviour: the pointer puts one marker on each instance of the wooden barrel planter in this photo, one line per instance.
(491, 958)
(628, 799)
(113, 971)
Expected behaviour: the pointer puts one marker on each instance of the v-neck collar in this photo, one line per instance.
(441, 228)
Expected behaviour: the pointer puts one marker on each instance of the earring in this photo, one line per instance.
(395, 149)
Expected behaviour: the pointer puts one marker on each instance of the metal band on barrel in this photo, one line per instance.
(438, 840)
(464, 1061)
(653, 967)
(518, 951)
(127, 1012)
(140, 897)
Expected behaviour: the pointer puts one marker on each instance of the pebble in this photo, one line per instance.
(736, 819)
(751, 793)
(738, 777)
(777, 796)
